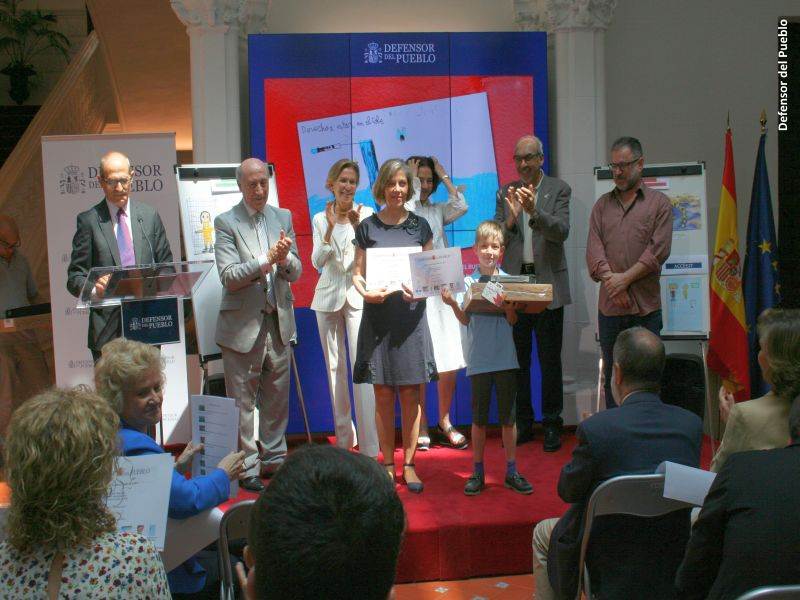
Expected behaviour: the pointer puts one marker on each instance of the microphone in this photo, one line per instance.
(144, 235)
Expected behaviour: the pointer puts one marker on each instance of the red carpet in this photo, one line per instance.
(453, 536)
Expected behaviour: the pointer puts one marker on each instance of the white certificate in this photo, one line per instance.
(138, 495)
(433, 270)
(389, 267)
(215, 424)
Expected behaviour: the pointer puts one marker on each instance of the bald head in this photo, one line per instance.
(527, 140)
(9, 236)
(248, 165)
(639, 360)
(114, 161)
(253, 179)
(529, 158)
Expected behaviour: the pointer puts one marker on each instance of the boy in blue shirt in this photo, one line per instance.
(491, 359)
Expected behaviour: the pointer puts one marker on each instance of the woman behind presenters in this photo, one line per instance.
(61, 538)
(394, 343)
(428, 173)
(763, 423)
(338, 305)
(129, 376)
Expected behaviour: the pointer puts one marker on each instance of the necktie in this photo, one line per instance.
(263, 240)
(124, 241)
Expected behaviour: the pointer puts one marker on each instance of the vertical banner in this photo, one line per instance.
(70, 167)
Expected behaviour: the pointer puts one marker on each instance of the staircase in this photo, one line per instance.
(14, 120)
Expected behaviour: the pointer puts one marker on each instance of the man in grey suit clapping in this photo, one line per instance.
(534, 211)
(256, 260)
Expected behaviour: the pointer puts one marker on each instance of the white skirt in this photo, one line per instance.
(445, 335)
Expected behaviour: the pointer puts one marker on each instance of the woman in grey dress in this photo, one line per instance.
(394, 343)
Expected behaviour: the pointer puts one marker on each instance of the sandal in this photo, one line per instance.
(454, 437)
(390, 471)
(424, 443)
(415, 487)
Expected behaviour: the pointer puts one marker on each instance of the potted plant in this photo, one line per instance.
(25, 33)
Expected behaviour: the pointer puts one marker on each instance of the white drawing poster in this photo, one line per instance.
(684, 303)
(455, 130)
(138, 495)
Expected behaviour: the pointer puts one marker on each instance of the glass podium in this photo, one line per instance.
(142, 282)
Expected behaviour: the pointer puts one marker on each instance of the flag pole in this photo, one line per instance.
(763, 121)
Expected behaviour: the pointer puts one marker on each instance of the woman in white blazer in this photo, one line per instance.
(445, 330)
(338, 306)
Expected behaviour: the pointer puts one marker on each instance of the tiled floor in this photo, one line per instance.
(510, 587)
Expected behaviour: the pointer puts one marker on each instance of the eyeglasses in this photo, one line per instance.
(527, 157)
(123, 181)
(621, 166)
(6, 246)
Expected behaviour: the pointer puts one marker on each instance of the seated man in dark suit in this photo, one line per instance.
(746, 534)
(328, 526)
(628, 557)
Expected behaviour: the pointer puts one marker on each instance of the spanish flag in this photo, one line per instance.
(728, 355)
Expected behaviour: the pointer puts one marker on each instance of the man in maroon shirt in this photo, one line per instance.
(630, 237)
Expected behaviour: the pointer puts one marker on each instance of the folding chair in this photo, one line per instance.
(773, 592)
(637, 495)
(235, 524)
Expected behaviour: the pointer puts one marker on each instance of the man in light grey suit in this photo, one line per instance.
(117, 231)
(534, 211)
(256, 261)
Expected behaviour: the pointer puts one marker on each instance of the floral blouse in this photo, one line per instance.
(115, 566)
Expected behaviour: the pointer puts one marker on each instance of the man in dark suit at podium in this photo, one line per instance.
(117, 231)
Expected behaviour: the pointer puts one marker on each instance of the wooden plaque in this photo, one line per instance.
(535, 296)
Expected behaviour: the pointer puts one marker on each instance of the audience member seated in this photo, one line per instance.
(763, 423)
(129, 376)
(328, 526)
(746, 534)
(61, 539)
(628, 557)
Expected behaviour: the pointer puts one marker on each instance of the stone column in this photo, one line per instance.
(576, 56)
(215, 28)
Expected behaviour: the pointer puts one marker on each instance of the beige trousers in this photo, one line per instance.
(541, 543)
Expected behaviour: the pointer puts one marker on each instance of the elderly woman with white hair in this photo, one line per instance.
(129, 376)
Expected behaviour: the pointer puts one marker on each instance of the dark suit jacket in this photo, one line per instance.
(550, 229)
(628, 557)
(747, 533)
(94, 245)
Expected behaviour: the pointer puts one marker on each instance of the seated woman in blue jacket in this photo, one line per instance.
(129, 375)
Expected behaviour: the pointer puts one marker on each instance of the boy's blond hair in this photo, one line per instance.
(489, 229)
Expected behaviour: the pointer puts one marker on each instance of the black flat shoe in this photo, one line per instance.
(415, 487)
(252, 484)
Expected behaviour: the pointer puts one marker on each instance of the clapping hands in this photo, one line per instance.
(280, 249)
